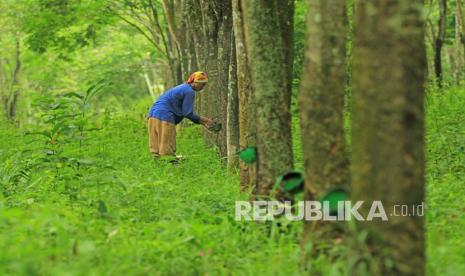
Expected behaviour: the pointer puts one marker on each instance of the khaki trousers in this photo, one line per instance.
(162, 137)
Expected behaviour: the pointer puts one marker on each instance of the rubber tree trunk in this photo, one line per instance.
(321, 104)
(247, 115)
(461, 13)
(210, 8)
(232, 122)
(269, 64)
(459, 42)
(184, 38)
(9, 83)
(199, 44)
(388, 130)
(286, 22)
(221, 95)
(440, 42)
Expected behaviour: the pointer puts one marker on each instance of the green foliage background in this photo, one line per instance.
(80, 195)
(106, 207)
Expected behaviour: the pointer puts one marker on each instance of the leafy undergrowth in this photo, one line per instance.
(121, 212)
(91, 201)
(445, 152)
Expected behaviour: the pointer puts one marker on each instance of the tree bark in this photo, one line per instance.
(9, 84)
(321, 104)
(184, 37)
(269, 67)
(3, 96)
(247, 115)
(388, 130)
(440, 41)
(460, 9)
(199, 43)
(459, 42)
(286, 17)
(211, 28)
(232, 125)
(224, 51)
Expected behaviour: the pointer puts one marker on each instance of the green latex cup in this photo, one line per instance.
(216, 127)
(248, 155)
(292, 182)
(333, 197)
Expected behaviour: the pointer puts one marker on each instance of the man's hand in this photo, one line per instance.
(206, 122)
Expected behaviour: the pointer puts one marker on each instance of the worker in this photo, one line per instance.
(169, 110)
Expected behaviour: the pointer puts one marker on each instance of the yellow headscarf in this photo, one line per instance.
(198, 76)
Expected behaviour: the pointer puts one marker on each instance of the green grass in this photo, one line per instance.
(445, 203)
(132, 214)
(120, 212)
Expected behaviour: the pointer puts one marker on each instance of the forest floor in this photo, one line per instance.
(121, 212)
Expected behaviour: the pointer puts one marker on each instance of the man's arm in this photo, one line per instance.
(188, 108)
(188, 111)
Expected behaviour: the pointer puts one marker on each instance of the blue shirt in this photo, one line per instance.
(175, 104)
